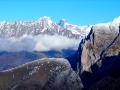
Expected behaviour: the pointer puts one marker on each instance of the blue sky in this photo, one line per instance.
(79, 12)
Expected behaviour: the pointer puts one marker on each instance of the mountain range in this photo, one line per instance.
(20, 36)
(18, 32)
(95, 65)
(44, 25)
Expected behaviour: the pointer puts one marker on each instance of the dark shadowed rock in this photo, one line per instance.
(107, 83)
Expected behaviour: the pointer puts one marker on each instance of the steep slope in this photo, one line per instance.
(103, 41)
(98, 55)
(44, 74)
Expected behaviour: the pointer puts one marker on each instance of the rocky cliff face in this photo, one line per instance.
(98, 55)
(102, 41)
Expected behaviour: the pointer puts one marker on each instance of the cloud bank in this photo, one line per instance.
(37, 43)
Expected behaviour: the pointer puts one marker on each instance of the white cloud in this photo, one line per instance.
(37, 43)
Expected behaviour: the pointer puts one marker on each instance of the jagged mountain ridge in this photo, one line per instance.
(44, 25)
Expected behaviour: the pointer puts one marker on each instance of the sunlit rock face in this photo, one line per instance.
(44, 74)
(102, 41)
(98, 54)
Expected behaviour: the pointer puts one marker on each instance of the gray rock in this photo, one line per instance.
(44, 74)
(103, 41)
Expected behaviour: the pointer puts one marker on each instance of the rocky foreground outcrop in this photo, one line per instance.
(44, 74)
(98, 56)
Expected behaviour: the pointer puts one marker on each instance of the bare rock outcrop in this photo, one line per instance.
(98, 55)
(102, 41)
(43, 74)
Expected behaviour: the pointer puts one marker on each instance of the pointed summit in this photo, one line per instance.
(62, 22)
(116, 20)
(45, 21)
(45, 18)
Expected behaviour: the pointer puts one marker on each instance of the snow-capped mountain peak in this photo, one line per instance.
(45, 25)
(63, 22)
(45, 18)
(117, 20)
(46, 21)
